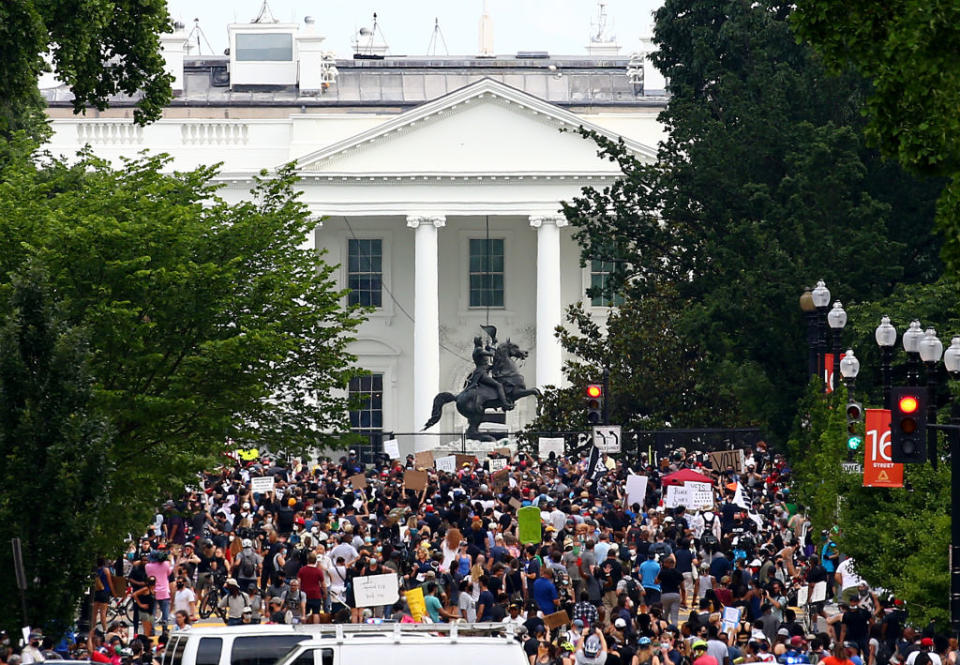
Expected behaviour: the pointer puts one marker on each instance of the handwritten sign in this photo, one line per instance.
(374, 590)
(516, 503)
(636, 489)
(677, 495)
(720, 460)
(819, 593)
(358, 481)
(423, 459)
(446, 464)
(802, 594)
(262, 484)
(496, 464)
(500, 479)
(549, 445)
(731, 618)
(415, 480)
(701, 495)
(392, 448)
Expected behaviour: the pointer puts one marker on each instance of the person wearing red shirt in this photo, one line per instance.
(314, 586)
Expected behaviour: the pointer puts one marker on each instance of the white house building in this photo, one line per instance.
(436, 183)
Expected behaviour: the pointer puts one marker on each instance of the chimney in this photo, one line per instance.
(172, 47)
(486, 32)
(314, 71)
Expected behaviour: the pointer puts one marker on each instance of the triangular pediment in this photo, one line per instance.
(485, 128)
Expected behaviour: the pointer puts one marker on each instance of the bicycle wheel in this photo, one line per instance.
(127, 606)
(207, 606)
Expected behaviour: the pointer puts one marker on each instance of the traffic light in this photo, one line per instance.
(854, 421)
(595, 404)
(908, 425)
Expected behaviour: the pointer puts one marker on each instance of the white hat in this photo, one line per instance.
(247, 542)
(620, 623)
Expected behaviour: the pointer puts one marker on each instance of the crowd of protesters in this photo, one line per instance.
(640, 584)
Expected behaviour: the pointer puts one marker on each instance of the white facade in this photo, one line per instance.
(485, 160)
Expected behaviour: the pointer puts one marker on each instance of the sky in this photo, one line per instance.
(560, 27)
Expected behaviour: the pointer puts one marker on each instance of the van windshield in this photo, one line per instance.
(263, 649)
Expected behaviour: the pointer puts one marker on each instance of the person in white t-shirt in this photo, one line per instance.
(847, 580)
(186, 600)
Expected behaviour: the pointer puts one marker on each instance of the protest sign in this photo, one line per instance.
(423, 459)
(636, 489)
(417, 604)
(516, 503)
(374, 590)
(465, 459)
(446, 464)
(415, 480)
(802, 594)
(719, 461)
(556, 619)
(677, 495)
(819, 592)
(731, 618)
(358, 481)
(262, 484)
(392, 448)
(500, 479)
(497, 464)
(701, 495)
(547, 445)
(528, 520)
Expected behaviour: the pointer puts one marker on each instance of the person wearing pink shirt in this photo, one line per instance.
(160, 567)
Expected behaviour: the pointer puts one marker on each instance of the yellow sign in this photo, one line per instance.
(248, 455)
(418, 606)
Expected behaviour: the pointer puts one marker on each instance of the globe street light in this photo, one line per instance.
(810, 314)
(886, 336)
(849, 368)
(911, 344)
(930, 350)
(821, 300)
(836, 319)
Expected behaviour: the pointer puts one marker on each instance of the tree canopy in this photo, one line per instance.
(99, 48)
(763, 185)
(206, 321)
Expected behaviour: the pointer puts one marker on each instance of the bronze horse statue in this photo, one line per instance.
(473, 402)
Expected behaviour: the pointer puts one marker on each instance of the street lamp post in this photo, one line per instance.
(836, 319)
(886, 336)
(849, 368)
(821, 300)
(930, 350)
(911, 344)
(951, 360)
(810, 314)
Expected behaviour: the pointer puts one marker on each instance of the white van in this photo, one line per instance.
(406, 644)
(344, 644)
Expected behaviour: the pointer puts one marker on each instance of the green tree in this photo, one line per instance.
(904, 50)
(763, 185)
(206, 320)
(55, 451)
(99, 48)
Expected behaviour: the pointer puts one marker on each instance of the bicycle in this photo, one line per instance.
(121, 607)
(210, 604)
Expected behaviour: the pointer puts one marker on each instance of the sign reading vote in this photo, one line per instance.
(722, 459)
(374, 590)
(879, 470)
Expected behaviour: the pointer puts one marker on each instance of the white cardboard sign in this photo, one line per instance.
(636, 489)
(549, 445)
(446, 464)
(677, 495)
(374, 590)
(261, 484)
(701, 495)
(497, 464)
(392, 448)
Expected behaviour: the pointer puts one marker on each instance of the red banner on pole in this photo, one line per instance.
(828, 371)
(878, 469)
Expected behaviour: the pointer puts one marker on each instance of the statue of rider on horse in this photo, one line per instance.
(495, 383)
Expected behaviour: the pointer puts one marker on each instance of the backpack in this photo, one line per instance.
(709, 541)
(633, 591)
(248, 565)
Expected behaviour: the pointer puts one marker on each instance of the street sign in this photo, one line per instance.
(851, 467)
(607, 438)
(879, 468)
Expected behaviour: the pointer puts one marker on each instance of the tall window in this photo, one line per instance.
(367, 393)
(365, 272)
(600, 272)
(486, 272)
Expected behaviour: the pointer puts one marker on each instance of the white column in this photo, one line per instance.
(426, 327)
(549, 314)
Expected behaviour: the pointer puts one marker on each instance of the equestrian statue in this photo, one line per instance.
(495, 383)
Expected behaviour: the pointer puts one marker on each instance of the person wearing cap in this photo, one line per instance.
(247, 565)
(926, 647)
(701, 655)
(234, 602)
(795, 652)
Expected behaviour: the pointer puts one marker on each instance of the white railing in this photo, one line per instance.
(109, 133)
(214, 133)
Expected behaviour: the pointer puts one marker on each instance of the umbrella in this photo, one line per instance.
(685, 476)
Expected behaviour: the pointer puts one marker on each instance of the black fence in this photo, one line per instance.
(650, 445)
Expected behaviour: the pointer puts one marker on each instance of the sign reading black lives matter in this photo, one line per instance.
(720, 460)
